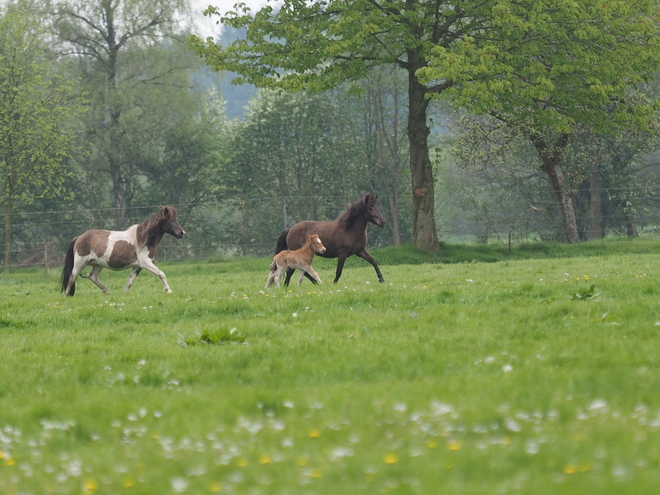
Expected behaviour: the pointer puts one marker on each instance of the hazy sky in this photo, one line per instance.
(207, 26)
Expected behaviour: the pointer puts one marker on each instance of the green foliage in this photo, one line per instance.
(37, 112)
(39, 108)
(568, 62)
(149, 137)
(584, 294)
(212, 337)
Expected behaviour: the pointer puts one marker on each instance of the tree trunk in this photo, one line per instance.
(631, 226)
(551, 157)
(595, 229)
(8, 220)
(424, 229)
(9, 209)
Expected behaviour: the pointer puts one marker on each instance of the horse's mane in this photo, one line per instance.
(354, 211)
(150, 231)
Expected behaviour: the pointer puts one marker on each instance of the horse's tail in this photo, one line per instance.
(273, 265)
(68, 268)
(281, 242)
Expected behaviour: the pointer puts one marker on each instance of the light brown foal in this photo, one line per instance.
(300, 259)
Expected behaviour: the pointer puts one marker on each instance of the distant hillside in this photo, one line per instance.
(236, 97)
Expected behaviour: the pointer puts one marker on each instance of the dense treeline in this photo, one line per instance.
(105, 114)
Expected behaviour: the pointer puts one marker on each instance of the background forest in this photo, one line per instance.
(105, 113)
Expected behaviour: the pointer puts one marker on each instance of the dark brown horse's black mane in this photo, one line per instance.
(150, 231)
(354, 211)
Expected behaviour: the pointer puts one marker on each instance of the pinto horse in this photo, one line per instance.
(342, 237)
(300, 259)
(118, 250)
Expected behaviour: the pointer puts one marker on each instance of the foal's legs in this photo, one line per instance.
(289, 273)
(131, 278)
(309, 271)
(271, 278)
(94, 277)
(278, 275)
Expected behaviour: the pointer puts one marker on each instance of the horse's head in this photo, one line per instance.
(170, 223)
(317, 244)
(373, 210)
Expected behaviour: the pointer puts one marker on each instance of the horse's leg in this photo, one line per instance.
(131, 278)
(278, 275)
(341, 259)
(269, 280)
(77, 268)
(366, 256)
(311, 279)
(301, 275)
(149, 266)
(310, 271)
(94, 277)
(289, 272)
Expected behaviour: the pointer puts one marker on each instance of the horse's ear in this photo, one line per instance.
(169, 212)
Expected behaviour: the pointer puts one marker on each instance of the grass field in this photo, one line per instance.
(537, 374)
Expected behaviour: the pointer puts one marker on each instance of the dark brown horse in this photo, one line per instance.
(343, 237)
(133, 248)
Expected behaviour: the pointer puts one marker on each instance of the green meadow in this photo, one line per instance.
(472, 370)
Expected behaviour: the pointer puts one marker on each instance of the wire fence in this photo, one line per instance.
(229, 228)
(250, 227)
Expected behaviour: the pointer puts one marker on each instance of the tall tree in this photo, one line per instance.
(119, 43)
(37, 108)
(372, 119)
(319, 44)
(547, 67)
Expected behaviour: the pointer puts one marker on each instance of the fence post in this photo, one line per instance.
(285, 214)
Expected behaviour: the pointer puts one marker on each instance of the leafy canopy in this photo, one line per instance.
(317, 45)
(556, 63)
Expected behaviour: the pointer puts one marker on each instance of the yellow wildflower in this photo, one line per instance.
(89, 487)
(454, 445)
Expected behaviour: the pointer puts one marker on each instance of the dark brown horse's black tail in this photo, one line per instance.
(68, 268)
(281, 242)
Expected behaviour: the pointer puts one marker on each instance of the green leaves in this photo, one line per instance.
(585, 294)
(565, 59)
(212, 337)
